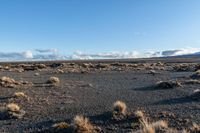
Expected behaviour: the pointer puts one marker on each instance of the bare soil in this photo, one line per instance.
(90, 88)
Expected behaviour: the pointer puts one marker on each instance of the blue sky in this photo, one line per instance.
(99, 25)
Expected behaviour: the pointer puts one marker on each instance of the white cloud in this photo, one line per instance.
(108, 55)
(53, 54)
(27, 54)
(46, 50)
(182, 51)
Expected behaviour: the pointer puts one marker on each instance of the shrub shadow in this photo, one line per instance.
(150, 88)
(180, 100)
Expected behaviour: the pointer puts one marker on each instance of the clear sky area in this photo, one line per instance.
(97, 26)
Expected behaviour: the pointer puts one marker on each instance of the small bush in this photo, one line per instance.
(13, 107)
(20, 95)
(61, 125)
(11, 110)
(83, 125)
(119, 108)
(53, 81)
(147, 127)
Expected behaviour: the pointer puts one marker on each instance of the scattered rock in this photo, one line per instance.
(153, 72)
(168, 84)
(37, 74)
(196, 94)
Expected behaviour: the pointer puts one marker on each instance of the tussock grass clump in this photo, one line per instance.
(20, 95)
(168, 84)
(147, 127)
(11, 83)
(139, 114)
(195, 128)
(83, 125)
(119, 108)
(8, 82)
(11, 110)
(53, 80)
(61, 125)
(13, 107)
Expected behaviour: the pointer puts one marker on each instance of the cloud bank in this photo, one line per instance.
(53, 54)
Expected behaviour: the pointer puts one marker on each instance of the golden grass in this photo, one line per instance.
(139, 114)
(13, 107)
(119, 107)
(53, 80)
(83, 125)
(20, 95)
(61, 125)
(8, 82)
(147, 127)
(11, 83)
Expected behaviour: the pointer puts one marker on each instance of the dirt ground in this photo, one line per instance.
(91, 88)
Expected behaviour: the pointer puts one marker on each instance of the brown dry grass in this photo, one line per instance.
(11, 83)
(146, 126)
(20, 95)
(155, 127)
(83, 125)
(53, 80)
(61, 125)
(119, 107)
(8, 82)
(13, 107)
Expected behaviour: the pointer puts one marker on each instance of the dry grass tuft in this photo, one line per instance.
(53, 80)
(61, 125)
(168, 84)
(147, 127)
(20, 95)
(13, 107)
(12, 110)
(83, 125)
(139, 114)
(8, 82)
(195, 128)
(11, 83)
(119, 108)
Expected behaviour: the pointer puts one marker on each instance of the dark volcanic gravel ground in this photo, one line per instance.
(93, 94)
